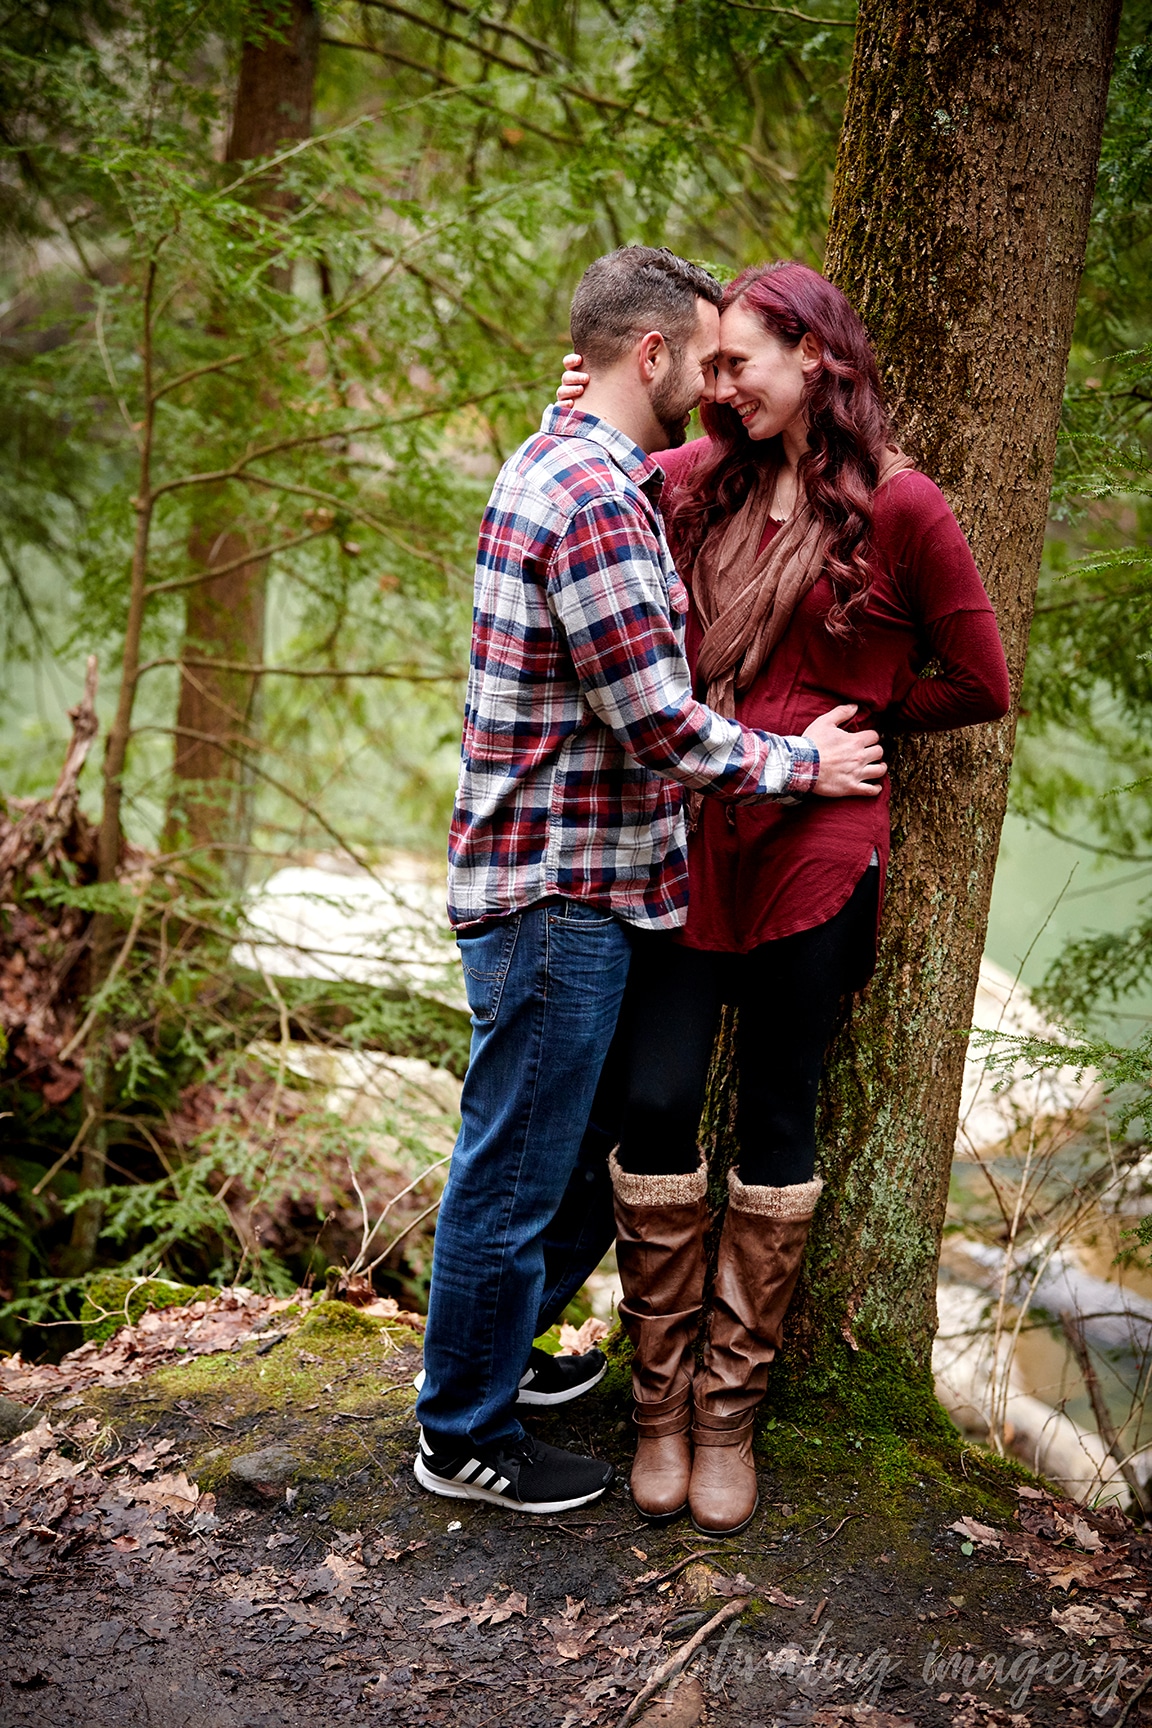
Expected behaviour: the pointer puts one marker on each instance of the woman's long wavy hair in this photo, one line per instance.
(848, 428)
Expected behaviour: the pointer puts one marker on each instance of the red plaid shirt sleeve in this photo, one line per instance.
(620, 617)
(580, 726)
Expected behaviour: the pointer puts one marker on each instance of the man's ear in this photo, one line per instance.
(650, 353)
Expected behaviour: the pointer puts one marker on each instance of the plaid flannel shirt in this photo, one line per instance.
(580, 724)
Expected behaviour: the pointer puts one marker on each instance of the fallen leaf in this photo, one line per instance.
(781, 1599)
(342, 1575)
(1086, 1537)
(176, 1493)
(449, 1611)
(982, 1534)
(576, 1341)
(1079, 1620)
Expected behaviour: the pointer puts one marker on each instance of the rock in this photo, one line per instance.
(267, 1471)
(683, 1710)
(16, 1418)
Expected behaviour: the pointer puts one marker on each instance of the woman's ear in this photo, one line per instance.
(811, 353)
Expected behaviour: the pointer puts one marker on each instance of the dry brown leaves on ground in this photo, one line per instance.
(1068, 1545)
(164, 1335)
(159, 1336)
(56, 1501)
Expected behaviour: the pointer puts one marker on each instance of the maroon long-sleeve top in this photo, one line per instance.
(761, 871)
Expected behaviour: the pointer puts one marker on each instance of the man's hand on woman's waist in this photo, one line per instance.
(852, 764)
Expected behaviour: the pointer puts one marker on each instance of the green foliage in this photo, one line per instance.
(1084, 766)
(324, 356)
(112, 1301)
(340, 1318)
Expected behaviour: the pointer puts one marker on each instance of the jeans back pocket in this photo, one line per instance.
(486, 959)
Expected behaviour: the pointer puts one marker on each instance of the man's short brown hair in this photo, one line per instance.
(633, 290)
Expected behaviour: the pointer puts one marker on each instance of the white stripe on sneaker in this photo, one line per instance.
(470, 1491)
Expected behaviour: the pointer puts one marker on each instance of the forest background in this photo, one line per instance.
(249, 419)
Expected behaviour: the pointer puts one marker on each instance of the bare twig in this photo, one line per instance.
(415, 1183)
(682, 1657)
(1074, 1332)
(43, 826)
(78, 1140)
(398, 674)
(111, 975)
(789, 12)
(662, 1577)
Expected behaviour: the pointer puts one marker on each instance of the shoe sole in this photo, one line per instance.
(658, 1518)
(551, 1399)
(543, 1399)
(736, 1528)
(464, 1491)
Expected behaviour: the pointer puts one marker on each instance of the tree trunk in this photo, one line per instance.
(216, 715)
(963, 188)
(224, 618)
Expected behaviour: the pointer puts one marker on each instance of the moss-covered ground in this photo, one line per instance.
(854, 1581)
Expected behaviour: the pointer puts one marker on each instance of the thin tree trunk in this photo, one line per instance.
(86, 1220)
(963, 188)
(224, 618)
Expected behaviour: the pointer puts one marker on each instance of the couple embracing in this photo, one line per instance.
(673, 797)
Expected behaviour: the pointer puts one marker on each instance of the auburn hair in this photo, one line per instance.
(848, 429)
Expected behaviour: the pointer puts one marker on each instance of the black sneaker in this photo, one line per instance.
(526, 1474)
(554, 1379)
(559, 1379)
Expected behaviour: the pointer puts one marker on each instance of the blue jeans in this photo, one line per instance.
(545, 988)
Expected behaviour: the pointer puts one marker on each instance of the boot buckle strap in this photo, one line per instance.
(652, 1427)
(733, 1433)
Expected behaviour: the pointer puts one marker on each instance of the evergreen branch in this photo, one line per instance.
(391, 672)
(498, 28)
(439, 286)
(237, 470)
(491, 55)
(1089, 845)
(253, 767)
(110, 976)
(451, 84)
(257, 557)
(213, 366)
(789, 12)
(595, 99)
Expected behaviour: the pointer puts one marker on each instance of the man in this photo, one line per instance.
(580, 732)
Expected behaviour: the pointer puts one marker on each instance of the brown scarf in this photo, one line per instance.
(745, 598)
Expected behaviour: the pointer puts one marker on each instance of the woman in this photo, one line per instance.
(823, 568)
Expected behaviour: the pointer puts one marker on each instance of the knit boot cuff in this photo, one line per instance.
(633, 1190)
(790, 1205)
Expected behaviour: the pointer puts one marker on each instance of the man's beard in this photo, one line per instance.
(672, 403)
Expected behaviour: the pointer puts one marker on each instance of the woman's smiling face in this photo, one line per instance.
(760, 376)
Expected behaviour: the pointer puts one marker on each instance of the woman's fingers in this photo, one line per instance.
(572, 384)
(571, 360)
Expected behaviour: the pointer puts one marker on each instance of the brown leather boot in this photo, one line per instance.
(761, 1247)
(660, 1224)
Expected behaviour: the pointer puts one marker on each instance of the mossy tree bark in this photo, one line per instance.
(210, 804)
(960, 210)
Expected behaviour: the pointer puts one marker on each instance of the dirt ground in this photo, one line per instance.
(237, 1541)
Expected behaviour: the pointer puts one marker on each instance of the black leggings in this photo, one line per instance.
(788, 993)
